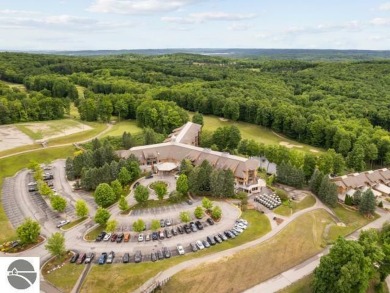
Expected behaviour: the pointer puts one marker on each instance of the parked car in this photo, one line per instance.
(81, 259)
(168, 233)
(245, 222)
(126, 237)
(193, 247)
(241, 226)
(199, 225)
(180, 249)
(229, 234)
(89, 258)
(189, 201)
(147, 237)
(107, 237)
(199, 244)
(137, 256)
(126, 258)
(168, 222)
(205, 244)
(222, 236)
(217, 239)
(62, 223)
(210, 221)
(174, 231)
(238, 229)
(153, 256)
(103, 258)
(193, 227)
(113, 237)
(162, 223)
(155, 236)
(100, 237)
(160, 254)
(120, 238)
(74, 257)
(167, 252)
(187, 228)
(135, 185)
(161, 235)
(140, 237)
(149, 176)
(211, 240)
(110, 257)
(180, 229)
(234, 232)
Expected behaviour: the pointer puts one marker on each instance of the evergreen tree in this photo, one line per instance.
(357, 196)
(69, 169)
(367, 204)
(315, 181)
(127, 140)
(197, 118)
(327, 192)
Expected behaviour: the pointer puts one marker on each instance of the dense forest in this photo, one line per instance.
(338, 105)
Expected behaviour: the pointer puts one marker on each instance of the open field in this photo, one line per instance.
(257, 133)
(302, 286)
(288, 208)
(19, 86)
(9, 166)
(352, 219)
(128, 277)
(122, 126)
(300, 240)
(11, 137)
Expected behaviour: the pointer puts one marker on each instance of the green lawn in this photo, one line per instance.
(301, 286)
(128, 277)
(255, 132)
(74, 223)
(254, 265)
(91, 235)
(122, 126)
(352, 219)
(9, 166)
(288, 208)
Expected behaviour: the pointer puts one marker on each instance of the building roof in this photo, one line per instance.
(384, 189)
(185, 134)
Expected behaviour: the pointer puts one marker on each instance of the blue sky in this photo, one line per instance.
(139, 24)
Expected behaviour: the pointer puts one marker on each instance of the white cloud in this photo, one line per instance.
(238, 27)
(385, 6)
(380, 21)
(138, 6)
(208, 16)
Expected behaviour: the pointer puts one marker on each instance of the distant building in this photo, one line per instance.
(377, 180)
(183, 144)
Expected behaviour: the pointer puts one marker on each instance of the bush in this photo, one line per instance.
(175, 197)
(199, 213)
(282, 194)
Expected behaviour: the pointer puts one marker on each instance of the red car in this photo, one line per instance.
(113, 237)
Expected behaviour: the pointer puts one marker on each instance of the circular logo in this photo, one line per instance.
(21, 274)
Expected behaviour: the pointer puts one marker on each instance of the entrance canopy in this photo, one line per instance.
(166, 167)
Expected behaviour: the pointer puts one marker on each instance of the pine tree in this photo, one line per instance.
(367, 204)
(315, 181)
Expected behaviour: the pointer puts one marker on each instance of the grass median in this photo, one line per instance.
(73, 223)
(128, 277)
(288, 208)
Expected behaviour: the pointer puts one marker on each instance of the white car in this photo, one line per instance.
(62, 223)
(107, 237)
(180, 249)
(245, 222)
(241, 226)
(238, 229)
(199, 244)
(140, 237)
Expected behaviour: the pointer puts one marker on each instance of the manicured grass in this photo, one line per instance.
(65, 277)
(9, 166)
(27, 131)
(74, 223)
(300, 240)
(94, 233)
(288, 208)
(128, 277)
(79, 136)
(151, 203)
(352, 219)
(122, 126)
(301, 286)
(255, 132)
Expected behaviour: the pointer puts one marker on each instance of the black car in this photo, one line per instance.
(234, 232)
(210, 221)
(180, 229)
(187, 228)
(162, 223)
(149, 176)
(153, 257)
(189, 201)
(167, 252)
(155, 236)
(222, 236)
(137, 256)
(89, 258)
(205, 244)
(174, 231)
(160, 254)
(211, 240)
(199, 225)
(229, 234)
(168, 233)
(135, 185)
(126, 258)
(74, 257)
(120, 238)
(100, 236)
(217, 239)
(193, 247)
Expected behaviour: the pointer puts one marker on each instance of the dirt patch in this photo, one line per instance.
(289, 145)
(223, 119)
(314, 151)
(11, 137)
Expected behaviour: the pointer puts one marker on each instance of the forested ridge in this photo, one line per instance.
(339, 105)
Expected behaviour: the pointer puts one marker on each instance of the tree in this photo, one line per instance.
(367, 204)
(370, 241)
(69, 170)
(160, 188)
(199, 213)
(56, 244)
(185, 217)
(104, 195)
(309, 165)
(81, 208)
(182, 184)
(315, 181)
(216, 213)
(141, 194)
(348, 200)
(44, 189)
(334, 274)
(207, 204)
(355, 158)
(124, 176)
(139, 225)
(127, 140)
(357, 196)
(58, 203)
(186, 167)
(123, 204)
(28, 231)
(328, 192)
(155, 225)
(102, 215)
(197, 118)
(117, 188)
(111, 225)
